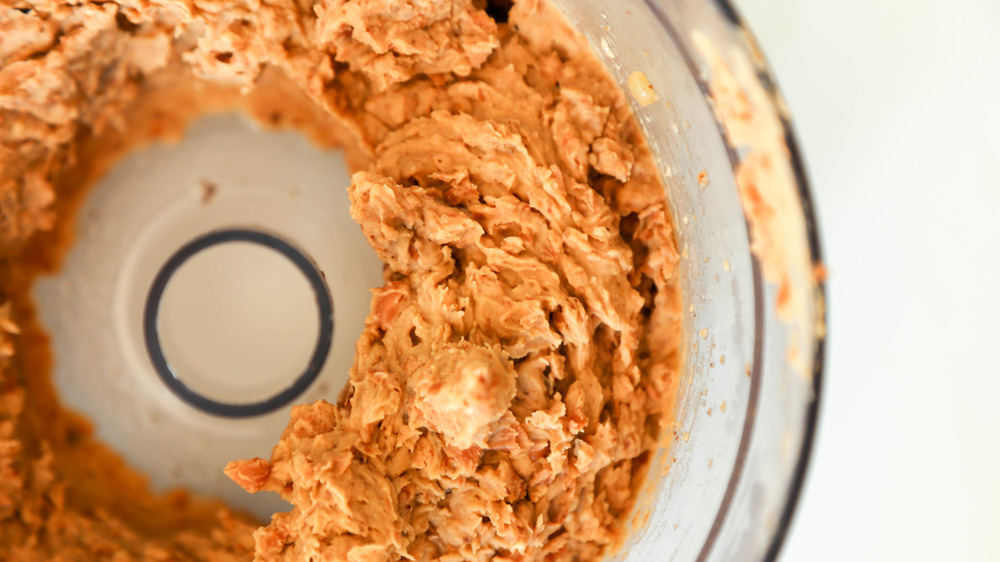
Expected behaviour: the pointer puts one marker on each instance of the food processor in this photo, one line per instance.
(229, 245)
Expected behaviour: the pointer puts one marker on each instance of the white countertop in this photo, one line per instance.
(897, 106)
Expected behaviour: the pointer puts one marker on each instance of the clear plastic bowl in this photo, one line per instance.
(726, 487)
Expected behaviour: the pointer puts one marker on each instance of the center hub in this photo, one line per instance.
(238, 322)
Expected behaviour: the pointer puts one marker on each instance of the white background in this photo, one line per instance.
(897, 107)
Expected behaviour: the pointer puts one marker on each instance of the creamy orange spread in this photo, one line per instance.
(517, 365)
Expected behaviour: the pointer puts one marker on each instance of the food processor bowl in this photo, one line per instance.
(724, 483)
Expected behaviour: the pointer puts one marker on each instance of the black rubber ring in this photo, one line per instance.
(152, 337)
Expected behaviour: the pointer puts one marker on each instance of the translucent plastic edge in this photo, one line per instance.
(766, 78)
(767, 81)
